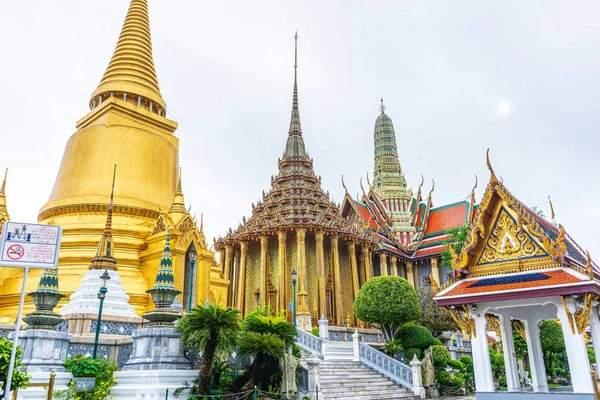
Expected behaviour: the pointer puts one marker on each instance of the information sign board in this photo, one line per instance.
(30, 245)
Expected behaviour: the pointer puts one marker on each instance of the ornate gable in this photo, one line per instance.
(508, 241)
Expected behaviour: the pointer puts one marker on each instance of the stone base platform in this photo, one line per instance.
(45, 350)
(157, 349)
(151, 385)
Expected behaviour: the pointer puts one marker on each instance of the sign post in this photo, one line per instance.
(27, 246)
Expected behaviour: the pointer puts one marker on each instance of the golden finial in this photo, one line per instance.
(108, 227)
(475, 187)
(551, 208)
(362, 188)
(369, 182)
(344, 185)
(202, 222)
(382, 107)
(493, 179)
(3, 188)
(432, 189)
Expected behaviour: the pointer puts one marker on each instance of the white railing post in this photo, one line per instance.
(417, 382)
(313, 363)
(355, 346)
(324, 332)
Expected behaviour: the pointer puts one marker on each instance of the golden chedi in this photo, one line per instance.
(126, 126)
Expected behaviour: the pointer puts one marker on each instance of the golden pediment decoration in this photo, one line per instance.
(509, 241)
(460, 314)
(493, 324)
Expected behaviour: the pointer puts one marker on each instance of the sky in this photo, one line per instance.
(519, 77)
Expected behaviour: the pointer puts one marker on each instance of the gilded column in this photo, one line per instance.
(303, 314)
(222, 260)
(354, 268)
(337, 293)
(393, 266)
(281, 239)
(264, 272)
(235, 277)
(383, 264)
(369, 263)
(242, 277)
(228, 260)
(409, 273)
(435, 270)
(321, 272)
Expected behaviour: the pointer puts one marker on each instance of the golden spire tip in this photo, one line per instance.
(551, 208)
(3, 188)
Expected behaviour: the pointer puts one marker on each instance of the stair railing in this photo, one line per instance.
(310, 343)
(389, 367)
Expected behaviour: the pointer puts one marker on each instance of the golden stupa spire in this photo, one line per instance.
(177, 210)
(130, 73)
(105, 256)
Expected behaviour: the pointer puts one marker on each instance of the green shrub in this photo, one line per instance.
(86, 367)
(441, 356)
(296, 350)
(20, 380)
(392, 347)
(456, 365)
(443, 377)
(389, 301)
(415, 336)
(315, 331)
(410, 353)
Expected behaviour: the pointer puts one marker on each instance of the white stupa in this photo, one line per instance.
(85, 299)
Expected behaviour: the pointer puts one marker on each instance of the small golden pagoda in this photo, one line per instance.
(297, 227)
(127, 126)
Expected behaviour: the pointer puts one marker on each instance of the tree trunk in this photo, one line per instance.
(207, 364)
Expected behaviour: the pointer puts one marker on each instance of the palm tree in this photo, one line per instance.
(266, 338)
(209, 326)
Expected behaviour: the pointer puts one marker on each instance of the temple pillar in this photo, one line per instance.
(435, 270)
(361, 268)
(366, 261)
(536, 357)
(510, 359)
(264, 272)
(410, 277)
(235, 276)
(353, 268)
(303, 318)
(595, 332)
(337, 290)
(222, 260)
(383, 264)
(575, 345)
(482, 366)
(393, 266)
(321, 272)
(370, 270)
(281, 240)
(228, 260)
(242, 277)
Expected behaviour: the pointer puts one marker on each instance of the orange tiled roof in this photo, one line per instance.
(510, 282)
(447, 217)
(366, 214)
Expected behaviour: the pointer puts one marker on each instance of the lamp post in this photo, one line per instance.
(294, 280)
(193, 257)
(101, 296)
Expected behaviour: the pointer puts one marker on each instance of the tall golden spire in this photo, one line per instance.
(131, 69)
(294, 148)
(105, 256)
(177, 210)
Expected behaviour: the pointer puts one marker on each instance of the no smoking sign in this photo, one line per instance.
(15, 252)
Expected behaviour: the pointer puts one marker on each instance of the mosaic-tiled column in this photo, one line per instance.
(383, 264)
(242, 278)
(354, 269)
(337, 293)
(394, 266)
(264, 272)
(281, 241)
(321, 272)
(435, 270)
(409, 273)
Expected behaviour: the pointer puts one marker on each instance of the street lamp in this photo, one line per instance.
(294, 280)
(101, 295)
(193, 257)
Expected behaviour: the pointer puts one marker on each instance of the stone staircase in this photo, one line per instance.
(347, 379)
